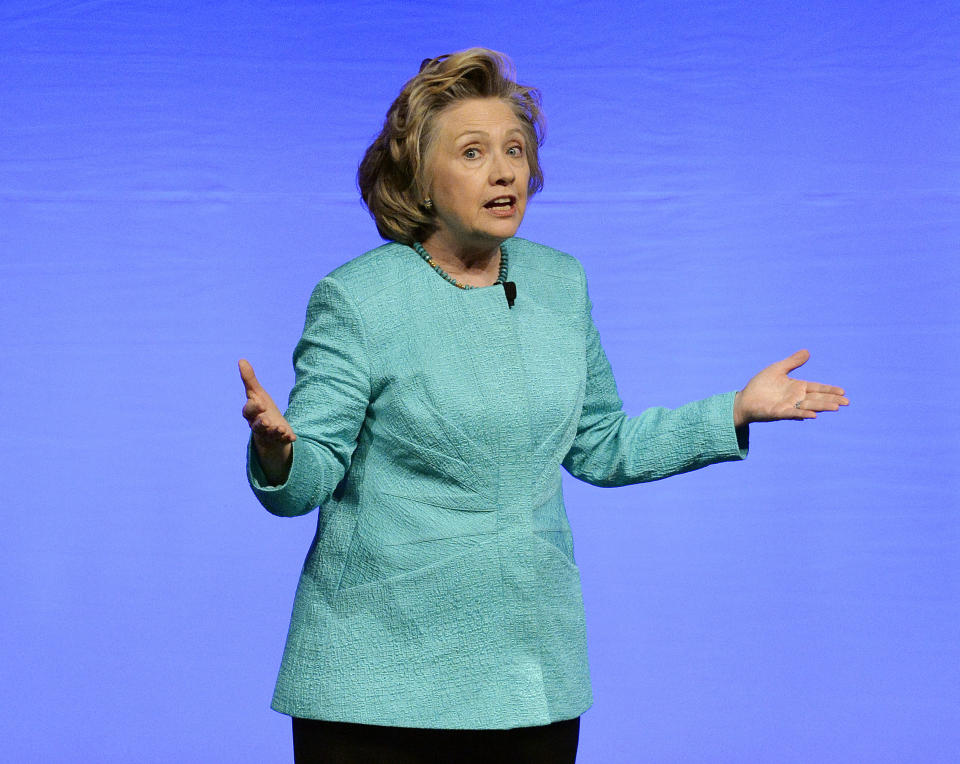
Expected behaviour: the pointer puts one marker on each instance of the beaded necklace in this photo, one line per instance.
(501, 277)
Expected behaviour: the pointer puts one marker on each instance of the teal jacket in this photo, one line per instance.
(440, 589)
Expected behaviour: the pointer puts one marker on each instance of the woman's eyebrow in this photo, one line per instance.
(485, 134)
(466, 133)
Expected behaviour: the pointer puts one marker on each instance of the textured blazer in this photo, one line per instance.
(440, 589)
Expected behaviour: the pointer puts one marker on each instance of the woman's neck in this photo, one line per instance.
(474, 266)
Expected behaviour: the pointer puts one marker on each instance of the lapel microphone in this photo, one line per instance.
(510, 291)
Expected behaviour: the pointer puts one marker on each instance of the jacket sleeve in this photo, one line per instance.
(327, 404)
(612, 449)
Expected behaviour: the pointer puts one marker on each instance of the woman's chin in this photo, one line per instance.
(503, 226)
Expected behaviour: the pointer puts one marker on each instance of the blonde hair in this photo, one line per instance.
(391, 176)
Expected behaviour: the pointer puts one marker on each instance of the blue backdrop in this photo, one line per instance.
(739, 180)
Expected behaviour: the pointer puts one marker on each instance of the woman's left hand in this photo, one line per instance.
(772, 395)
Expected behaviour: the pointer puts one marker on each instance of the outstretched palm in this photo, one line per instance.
(772, 395)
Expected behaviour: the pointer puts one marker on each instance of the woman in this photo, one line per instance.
(442, 379)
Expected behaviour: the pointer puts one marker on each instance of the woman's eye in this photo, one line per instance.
(471, 153)
(515, 151)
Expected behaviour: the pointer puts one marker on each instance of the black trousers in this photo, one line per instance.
(345, 743)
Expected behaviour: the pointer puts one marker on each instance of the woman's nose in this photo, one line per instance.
(502, 172)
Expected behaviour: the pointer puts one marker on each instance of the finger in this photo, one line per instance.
(826, 399)
(268, 424)
(272, 438)
(805, 408)
(250, 381)
(800, 412)
(817, 387)
(794, 361)
(273, 427)
(252, 409)
(810, 406)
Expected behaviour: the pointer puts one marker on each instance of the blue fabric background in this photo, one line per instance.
(739, 181)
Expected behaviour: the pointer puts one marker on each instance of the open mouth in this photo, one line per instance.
(501, 203)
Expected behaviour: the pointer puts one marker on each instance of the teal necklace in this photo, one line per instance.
(501, 277)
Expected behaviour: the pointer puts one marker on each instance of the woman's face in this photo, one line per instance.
(477, 175)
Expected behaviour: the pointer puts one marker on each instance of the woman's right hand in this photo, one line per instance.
(272, 434)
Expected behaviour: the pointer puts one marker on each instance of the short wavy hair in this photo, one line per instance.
(392, 174)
